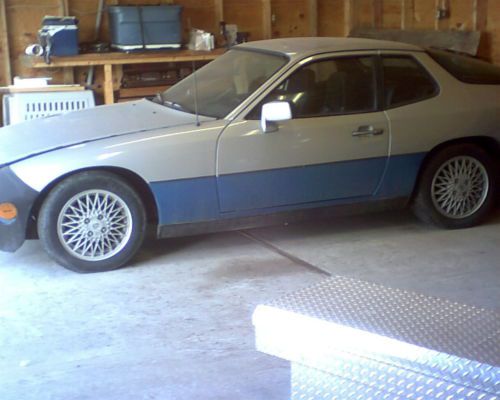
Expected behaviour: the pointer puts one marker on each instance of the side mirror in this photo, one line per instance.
(273, 112)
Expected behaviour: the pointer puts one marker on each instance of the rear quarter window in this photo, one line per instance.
(406, 81)
(467, 69)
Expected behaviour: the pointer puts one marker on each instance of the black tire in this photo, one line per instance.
(428, 204)
(115, 224)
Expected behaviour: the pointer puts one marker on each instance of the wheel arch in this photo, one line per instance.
(135, 181)
(487, 143)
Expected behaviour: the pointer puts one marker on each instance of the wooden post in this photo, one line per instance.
(64, 7)
(219, 11)
(68, 72)
(407, 14)
(219, 16)
(348, 16)
(313, 17)
(442, 24)
(378, 13)
(4, 44)
(480, 15)
(108, 84)
(266, 19)
(68, 75)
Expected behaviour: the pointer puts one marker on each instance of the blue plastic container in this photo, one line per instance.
(60, 34)
(145, 27)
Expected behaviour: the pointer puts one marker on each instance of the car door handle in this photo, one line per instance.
(367, 131)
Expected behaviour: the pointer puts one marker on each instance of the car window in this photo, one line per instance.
(223, 84)
(406, 81)
(466, 68)
(330, 87)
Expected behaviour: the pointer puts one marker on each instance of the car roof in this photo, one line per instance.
(303, 46)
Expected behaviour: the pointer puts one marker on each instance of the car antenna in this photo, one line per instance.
(195, 94)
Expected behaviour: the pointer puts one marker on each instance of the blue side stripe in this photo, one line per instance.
(297, 185)
(401, 175)
(197, 199)
(186, 200)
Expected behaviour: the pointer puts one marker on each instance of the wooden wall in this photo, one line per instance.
(20, 20)
(467, 15)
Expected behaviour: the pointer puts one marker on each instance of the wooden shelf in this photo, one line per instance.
(41, 89)
(119, 58)
(142, 91)
(108, 60)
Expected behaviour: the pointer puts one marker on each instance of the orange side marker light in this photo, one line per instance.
(8, 212)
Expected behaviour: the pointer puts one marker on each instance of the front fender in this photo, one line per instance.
(13, 190)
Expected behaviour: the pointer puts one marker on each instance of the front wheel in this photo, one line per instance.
(456, 188)
(92, 222)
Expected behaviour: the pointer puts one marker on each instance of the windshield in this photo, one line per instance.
(223, 83)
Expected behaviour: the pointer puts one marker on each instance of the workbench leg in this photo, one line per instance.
(108, 84)
(69, 75)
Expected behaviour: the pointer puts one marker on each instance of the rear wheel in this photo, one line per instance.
(457, 187)
(92, 222)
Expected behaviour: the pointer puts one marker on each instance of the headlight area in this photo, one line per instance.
(16, 201)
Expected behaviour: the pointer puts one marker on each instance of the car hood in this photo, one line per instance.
(39, 136)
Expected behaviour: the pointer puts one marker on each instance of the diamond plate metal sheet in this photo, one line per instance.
(386, 338)
(312, 384)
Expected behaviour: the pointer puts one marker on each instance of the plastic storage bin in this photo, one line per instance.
(145, 27)
(20, 107)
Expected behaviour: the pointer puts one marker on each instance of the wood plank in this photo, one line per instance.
(443, 23)
(348, 17)
(198, 14)
(219, 16)
(5, 45)
(141, 91)
(64, 7)
(378, 13)
(424, 14)
(23, 23)
(331, 17)
(480, 14)
(461, 15)
(83, 60)
(108, 84)
(219, 11)
(391, 14)
(363, 14)
(407, 14)
(41, 89)
(293, 18)
(249, 16)
(491, 46)
(267, 28)
(68, 75)
(312, 6)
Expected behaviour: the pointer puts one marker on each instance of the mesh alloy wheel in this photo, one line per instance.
(460, 187)
(94, 225)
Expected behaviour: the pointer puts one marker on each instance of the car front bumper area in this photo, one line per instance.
(16, 200)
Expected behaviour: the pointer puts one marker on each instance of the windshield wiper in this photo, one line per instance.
(158, 99)
(176, 106)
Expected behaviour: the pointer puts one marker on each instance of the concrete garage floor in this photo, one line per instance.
(177, 324)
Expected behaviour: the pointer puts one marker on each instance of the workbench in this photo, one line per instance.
(110, 60)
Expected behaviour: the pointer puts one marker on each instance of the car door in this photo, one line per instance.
(334, 147)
